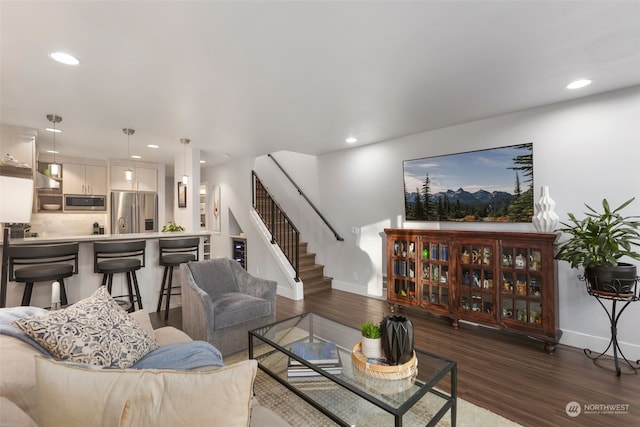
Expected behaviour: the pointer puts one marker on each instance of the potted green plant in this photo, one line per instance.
(172, 227)
(597, 242)
(371, 340)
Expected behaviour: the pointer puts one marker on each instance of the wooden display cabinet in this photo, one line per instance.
(403, 264)
(475, 265)
(434, 274)
(503, 280)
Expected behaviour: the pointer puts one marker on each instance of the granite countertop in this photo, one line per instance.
(102, 237)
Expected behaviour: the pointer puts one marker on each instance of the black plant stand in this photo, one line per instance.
(625, 298)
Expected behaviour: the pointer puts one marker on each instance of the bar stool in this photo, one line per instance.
(174, 252)
(120, 257)
(30, 264)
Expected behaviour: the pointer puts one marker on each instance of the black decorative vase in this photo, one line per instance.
(397, 339)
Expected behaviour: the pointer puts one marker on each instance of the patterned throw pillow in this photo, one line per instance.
(93, 331)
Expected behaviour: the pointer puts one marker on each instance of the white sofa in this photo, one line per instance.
(22, 389)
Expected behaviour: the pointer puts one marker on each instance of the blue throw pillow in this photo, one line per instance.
(181, 357)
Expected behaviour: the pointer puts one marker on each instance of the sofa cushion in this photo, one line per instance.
(214, 276)
(234, 308)
(12, 415)
(142, 317)
(17, 379)
(94, 331)
(169, 334)
(129, 397)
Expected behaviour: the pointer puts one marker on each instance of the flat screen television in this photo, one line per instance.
(491, 185)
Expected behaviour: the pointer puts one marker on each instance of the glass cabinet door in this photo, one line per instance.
(404, 269)
(434, 280)
(521, 288)
(477, 284)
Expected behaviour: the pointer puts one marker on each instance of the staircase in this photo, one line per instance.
(287, 236)
(312, 274)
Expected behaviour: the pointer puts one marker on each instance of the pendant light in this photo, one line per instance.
(185, 177)
(128, 174)
(54, 167)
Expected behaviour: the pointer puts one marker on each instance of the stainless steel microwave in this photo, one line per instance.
(79, 202)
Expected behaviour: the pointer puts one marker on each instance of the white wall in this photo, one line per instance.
(188, 161)
(234, 179)
(303, 170)
(583, 150)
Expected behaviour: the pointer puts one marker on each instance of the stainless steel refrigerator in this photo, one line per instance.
(134, 212)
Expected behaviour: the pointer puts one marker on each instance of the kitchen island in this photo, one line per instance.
(86, 281)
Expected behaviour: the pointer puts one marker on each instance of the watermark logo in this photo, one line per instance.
(573, 409)
(606, 408)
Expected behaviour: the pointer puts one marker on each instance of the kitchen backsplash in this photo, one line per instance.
(56, 224)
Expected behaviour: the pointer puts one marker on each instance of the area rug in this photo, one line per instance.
(298, 413)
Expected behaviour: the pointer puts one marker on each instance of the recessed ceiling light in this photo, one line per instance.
(153, 146)
(53, 130)
(64, 58)
(351, 140)
(53, 152)
(579, 84)
(135, 156)
(203, 161)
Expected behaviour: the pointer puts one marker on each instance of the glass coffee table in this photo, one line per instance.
(353, 396)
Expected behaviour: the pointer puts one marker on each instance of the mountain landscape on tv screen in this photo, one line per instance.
(501, 179)
(479, 197)
(462, 205)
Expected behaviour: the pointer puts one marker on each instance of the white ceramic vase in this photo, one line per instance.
(372, 348)
(545, 220)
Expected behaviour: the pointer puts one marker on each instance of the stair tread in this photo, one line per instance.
(311, 273)
(316, 285)
(318, 279)
(313, 266)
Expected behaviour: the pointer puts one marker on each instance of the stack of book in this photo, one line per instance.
(322, 354)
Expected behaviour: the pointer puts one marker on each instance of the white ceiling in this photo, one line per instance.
(250, 78)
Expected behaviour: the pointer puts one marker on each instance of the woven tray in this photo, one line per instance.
(386, 372)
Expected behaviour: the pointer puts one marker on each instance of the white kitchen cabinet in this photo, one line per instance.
(84, 179)
(96, 179)
(19, 143)
(144, 179)
(118, 181)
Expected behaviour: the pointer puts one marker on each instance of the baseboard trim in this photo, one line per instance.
(355, 289)
(597, 344)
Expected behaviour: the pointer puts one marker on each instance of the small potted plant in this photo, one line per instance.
(371, 340)
(172, 227)
(597, 242)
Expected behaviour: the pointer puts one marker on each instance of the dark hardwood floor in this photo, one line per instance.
(509, 375)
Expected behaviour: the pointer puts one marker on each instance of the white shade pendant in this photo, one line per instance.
(128, 174)
(185, 177)
(546, 219)
(54, 168)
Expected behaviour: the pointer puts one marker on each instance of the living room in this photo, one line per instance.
(585, 148)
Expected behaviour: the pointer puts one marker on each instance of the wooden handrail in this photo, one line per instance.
(335, 233)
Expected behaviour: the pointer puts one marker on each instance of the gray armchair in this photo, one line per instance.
(221, 302)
